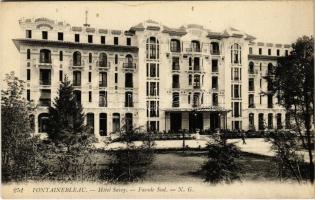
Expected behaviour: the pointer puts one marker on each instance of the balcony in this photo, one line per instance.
(251, 105)
(215, 52)
(102, 66)
(197, 85)
(44, 102)
(251, 88)
(44, 64)
(102, 84)
(45, 82)
(175, 85)
(193, 50)
(129, 66)
(175, 67)
(76, 65)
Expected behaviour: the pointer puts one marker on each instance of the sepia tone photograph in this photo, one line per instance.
(157, 99)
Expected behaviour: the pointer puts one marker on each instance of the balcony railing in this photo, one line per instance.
(251, 105)
(215, 69)
(251, 88)
(175, 50)
(45, 82)
(103, 65)
(193, 50)
(197, 85)
(215, 52)
(251, 71)
(175, 85)
(76, 83)
(129, 65)
(45, 61)
(175, 67)
(44, 102)
(102, 84)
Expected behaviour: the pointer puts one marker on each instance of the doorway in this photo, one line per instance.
(195, 121)
(176, 121)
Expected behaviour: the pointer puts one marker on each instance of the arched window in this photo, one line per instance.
(90, 121)
(250, 50)
(45, 56)
(116, 122)
(196, 99)
(261, 123)
(175, 100)
(152, 48)
(236, 54)
(251, 123)
(102, 60)
(77, 58)
(251, 67)
(103, 124)
(195, 46)
(196, 81)
(128, 61)
(43, 122)
(128, 122)
(175, 45)
(215, 48)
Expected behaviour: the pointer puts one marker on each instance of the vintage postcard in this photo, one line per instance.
(157, 99)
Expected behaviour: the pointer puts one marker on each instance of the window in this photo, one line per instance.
(175, 99)
(28, 33)
(103, 124)
(175, 63)
(189, 79)
(195, 46)
(45, 97)
(28, 64)
(77, 37)
(90, 58)
(260, 51)
(270, 120)
(44, 56)
(77, 95)
(196, 63)
(152, 70)
(286, 52)
(45, 77)
(251, 68)
(102, 39)
(116, 59)
(152, 108)
(251, 121)
(236, 53)
(251, 85)
(128, 121)
(28, 54)
(215, 50)
(103, 60)
(269, 52)
(76, 78)
(251, 103)
(250, 50)
(103, 79)
(128, 99)
(90, 77)
(60, 36)
(115, 40)
(90, 38)
(260, 83)
(116, 78)
(44, 35)
(278, 52)
(237, 75)
(175, 45)
(189, 96)
(90, 121)
(279, 122)
(90, 96)
(60, 75)
(196, 99)
(28, 74)
(236, 91)
(175, 83)
(102, 99)
(60, 55)
(270, 69)
(214, 64)
(197, 81)
(270, 103)
(43, 120)
(287, 121)
(129, 62)
(260, 99)
(215, 100)
(152, 88)
(128, 41)
(128, 80)
(28, 95)
(77, 58)
(237, 107)
(152, 48)
(215, 82)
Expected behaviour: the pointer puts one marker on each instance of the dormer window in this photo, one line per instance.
(90, 38)
(44, 35)
(175, 45)
(195, 46)
(77, 37)
(128, 41)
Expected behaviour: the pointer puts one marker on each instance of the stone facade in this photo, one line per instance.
(152, 76)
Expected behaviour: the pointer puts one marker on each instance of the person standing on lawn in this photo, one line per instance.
(243, 136)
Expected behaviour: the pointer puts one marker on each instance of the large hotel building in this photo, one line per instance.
(152, 76)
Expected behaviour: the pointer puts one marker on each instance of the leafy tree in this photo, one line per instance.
(221, 164)
(18, 154)
(66, 117)
(293, 83)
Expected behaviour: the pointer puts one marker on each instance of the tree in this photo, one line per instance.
(221, 164)
(66, 117)
(17, 143)
(293, 83)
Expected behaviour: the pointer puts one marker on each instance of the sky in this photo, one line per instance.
(269, 21)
